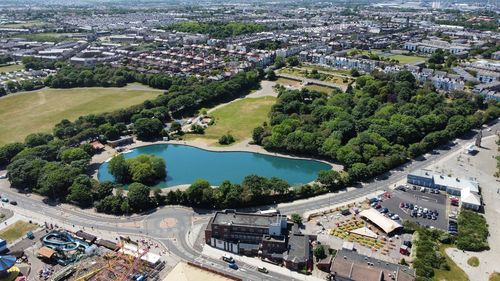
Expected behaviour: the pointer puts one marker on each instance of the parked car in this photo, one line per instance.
(13, 203)
(262, 269)
(5, 199)
(407, 243)
(395, 217)
(384, 210)
(233, 265)
(401, 205)
(4, 176)
(227, 258)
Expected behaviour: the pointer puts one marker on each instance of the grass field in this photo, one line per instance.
(454, 274)
(39, 111)
(473, 261)
(407, 59)
(238, 118)
(288, 82)
(319, 88)
(12, 67)
(495, 276)
(22, 25)
(17, 230)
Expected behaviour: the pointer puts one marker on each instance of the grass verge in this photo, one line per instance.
(17, 230)
(454, 274)
(473, 261)
(11, 68)
(495, 276)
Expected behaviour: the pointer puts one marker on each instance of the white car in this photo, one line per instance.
(3, 176)
(395, 217)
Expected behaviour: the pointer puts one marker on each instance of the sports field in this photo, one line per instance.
(407, 59)
(238, 118)
(38, 111)
(11, 67)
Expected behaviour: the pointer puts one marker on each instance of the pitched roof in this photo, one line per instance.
(386, 224)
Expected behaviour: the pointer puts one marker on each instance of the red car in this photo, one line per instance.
(401, 205)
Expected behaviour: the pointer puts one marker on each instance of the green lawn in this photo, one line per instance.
(495, 276)
(39, 111)
(288, 82)
(22, 25)
(473, 261)
(406, 59)
(454, 274)
(17, 230)
(238, 118)
(10, 68)
(319, 88)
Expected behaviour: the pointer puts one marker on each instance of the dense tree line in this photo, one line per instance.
(384, 121)
(37, 64)
(5, 59)
(71, 76)
(218, 29)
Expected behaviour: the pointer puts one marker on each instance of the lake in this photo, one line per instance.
(186, 163)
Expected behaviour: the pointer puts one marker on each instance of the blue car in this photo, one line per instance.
(232, 266)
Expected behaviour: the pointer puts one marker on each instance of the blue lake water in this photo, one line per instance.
(185, 164)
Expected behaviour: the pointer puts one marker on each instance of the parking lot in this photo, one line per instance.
(425, 200)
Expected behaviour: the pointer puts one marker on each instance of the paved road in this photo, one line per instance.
(174, 236)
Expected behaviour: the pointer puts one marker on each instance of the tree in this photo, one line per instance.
(293, 61)
(74, 154)
(258, 134)
(359, 172)
(24, 173)
(194, 193)
(279, 62)
(79, 192)
(118, 168)
(197, 129)
(320, 252)
(55, 180)
(271, 75)
(146, 169)
(355, 73)
(296, 218)
(332, 179)
(138, 197)
(37, 139)
(147, 129)
(175, 127)
(104, 189)
(8, 151)
(226, 139)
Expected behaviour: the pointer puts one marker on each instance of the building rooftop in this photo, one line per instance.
(359, 267)
(255, 220)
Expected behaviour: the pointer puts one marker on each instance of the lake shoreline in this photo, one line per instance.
(243, 147)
